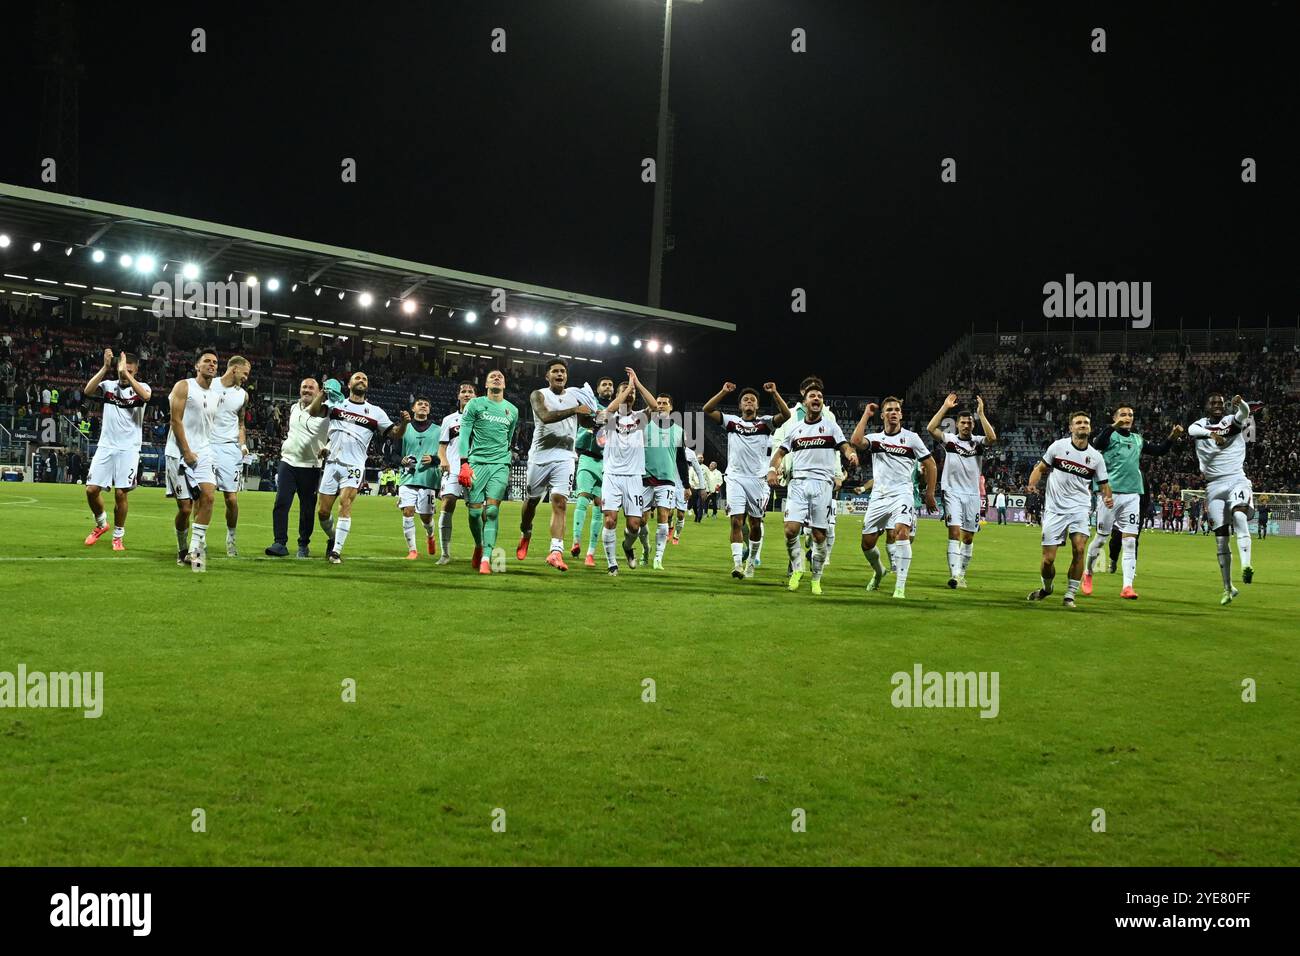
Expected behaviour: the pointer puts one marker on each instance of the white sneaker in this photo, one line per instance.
(443, 558)
(749, 569)
(961, 581)
(231, 551)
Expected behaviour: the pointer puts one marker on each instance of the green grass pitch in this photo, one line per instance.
(524, 692)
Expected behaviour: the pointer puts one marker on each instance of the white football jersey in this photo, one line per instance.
(352, 425)
(1228, 461)
(813, 448)
(230, 411)
(451, 438)
(123, 417)
(893, 461)
(1072, 472)
(962, 464)
(200, 407)
(625, 444)
(554, 442)
(747, 445)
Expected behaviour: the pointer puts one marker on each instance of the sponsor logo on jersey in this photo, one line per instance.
(123, 401)
(756, 427)
(961, 450)
(900, 451)
(343, 414)
(1084, 470)
(811, 442)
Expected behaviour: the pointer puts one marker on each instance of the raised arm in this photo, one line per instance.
(179, 396)
(98, 377)
(318, 408)
(783, 410)
(1241, 409)
(711, 406)
(645, 393)
(990, 436)
(1158, 448)
(859, 436)
(933, 428)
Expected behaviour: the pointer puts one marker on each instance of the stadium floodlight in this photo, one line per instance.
(409, 306)
(600, 337)
(125, 261)
(68, 251)
(145, 264)
(636, 343)
(613, 340)
(576, 332)
(273, 284)
(366, 299)
(251, 280)
(668, 348)
(511, 322)
(525, 325)
(36, 247)
(589, 336)
(190, 270)
(539, 328)
(97, 255)
(562, 331)
(4, 241)
(471, 317)
(653, 345)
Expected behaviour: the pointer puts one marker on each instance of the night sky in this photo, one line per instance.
(817, 170)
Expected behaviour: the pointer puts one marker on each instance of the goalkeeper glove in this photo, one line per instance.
(333, 390)
(466, 475)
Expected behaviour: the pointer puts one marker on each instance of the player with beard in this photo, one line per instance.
(1229, 495)
(623, 487)
(417, 490)
(962, 463)
(116, 463)
(229, 443)
(190, 475)
(591, 468)
(353, 424)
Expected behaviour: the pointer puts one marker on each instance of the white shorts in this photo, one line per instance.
(962, 511)
(658, 496)
(1058, 527)
(227, 464)
(885, 512)
(421, 499)
(622, 493)
(747, 495)
(550, 478)
(450, 486)
(1126, 515)
(1224, 494)
(183, 480)
(114, 468)
(338, 476)
(810, 501)
(680, 503)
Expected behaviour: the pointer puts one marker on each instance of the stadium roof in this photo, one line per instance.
(442, 296)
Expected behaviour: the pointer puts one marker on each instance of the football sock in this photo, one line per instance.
(818, 558)
(1094, 550)
(326, 524)
(557, 544)
(966, 551)
(597, 530)
(830, 543)
(427, 521)
(491, 516)
(1047, 580)
(341, 534)
(954, 558)
(795, 549)
(644, 537)
(902, 561)
(408, 529)
(476, 526)
(755, 549)
(1242, 527)
(890, 554)
(1130, 560)
(1072, 587)
(118, 531)
(610, 540)
(580, 511)
(1225, 559)
(198, 537)
(661, 540)
(873, 559)
(737, 549)
(444, 530)
(677, 525)
(101, 520)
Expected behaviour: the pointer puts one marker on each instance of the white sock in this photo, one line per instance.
(873, 559)
(326, 524)
(643, 536)
(341, 534)
(1242, 527)
(427, 521)
(101, 520)
(609, 539)
(1129, 558)
(891, 552)
(444, 531)
(230, 536)
(954, 558)
(830, 543)
(1072, 588)
(408, 529)
(198, 537)
(737, 549)
(557, 544)
(1094, 550)
(755, 548)
(661, 540)
(795, 548)
(118, 531)
(902, 561)
(966, 550)
(818, 558)
(1225, 559)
